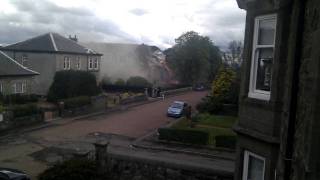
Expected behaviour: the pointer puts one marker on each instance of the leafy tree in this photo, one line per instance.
(67, 84)
(234, 52)
(194, 58)
(138, 82)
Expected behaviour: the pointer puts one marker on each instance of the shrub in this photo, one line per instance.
(184, 136)
(1, 109)
(138, 82)
(68, 84)
(74, 169)
(226, 141)
(210, 104)
(120, 82)
(76, 102)
(24, 110)
(19, 99)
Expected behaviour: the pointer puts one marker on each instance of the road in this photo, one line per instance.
(134, 122)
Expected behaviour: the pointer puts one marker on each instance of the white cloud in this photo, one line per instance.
(140, 21)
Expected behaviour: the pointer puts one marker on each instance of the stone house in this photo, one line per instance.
(14, 78)
(49, 53)
(279, 103)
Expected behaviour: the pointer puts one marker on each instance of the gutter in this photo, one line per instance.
(299, 26)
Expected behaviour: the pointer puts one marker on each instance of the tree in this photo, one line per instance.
(233, 55)
(138, 81)
(119, 82)
(67, 84)
(194, 58)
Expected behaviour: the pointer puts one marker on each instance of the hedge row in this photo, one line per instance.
(184, 136)
(226, 141)
(18, 98)
(76, 102)
(24, 110)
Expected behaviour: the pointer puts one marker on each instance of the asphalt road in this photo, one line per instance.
(133, 122)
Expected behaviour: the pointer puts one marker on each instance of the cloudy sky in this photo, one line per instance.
(154, 22)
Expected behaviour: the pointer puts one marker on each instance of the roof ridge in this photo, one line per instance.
(11, 59)
(53, 42)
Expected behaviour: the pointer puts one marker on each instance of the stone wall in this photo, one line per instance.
(131, 167)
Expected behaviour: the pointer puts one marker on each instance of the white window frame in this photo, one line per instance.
(90, 63)
(24, 59)
(66, 63)
(23, 87)
(247, 154)
(95, 64)
(253, 92)
(78, 65)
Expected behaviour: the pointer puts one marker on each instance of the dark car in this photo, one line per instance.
(12, 174)
(177, 109)
(199, 87)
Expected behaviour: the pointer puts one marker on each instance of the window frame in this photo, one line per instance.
(93, 63)
(253, 92)
(66, 63)
(246, 156)
(23, 87)
(78, 65)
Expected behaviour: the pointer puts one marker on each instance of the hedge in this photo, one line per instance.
(76, 102)
(226, 141)
(18, 98)
(68, 84)
(24, 110)
(184, 136)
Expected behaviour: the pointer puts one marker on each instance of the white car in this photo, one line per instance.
(177, 109)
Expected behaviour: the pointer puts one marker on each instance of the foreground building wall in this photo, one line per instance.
(279, 112)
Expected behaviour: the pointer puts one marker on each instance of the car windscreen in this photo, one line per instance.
(176, 105)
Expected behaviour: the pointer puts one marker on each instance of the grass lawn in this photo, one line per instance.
(213, 124)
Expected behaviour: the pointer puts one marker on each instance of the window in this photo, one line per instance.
(253, 166)
(93, 63)
(78, 65)
(24, 60)
(19, 87)
(262, 57)
(66, 63)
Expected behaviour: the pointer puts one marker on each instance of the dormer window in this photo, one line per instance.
(66, 63)
(24, 60)
(262, 57)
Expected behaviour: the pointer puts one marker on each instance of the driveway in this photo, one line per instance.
(17, 152)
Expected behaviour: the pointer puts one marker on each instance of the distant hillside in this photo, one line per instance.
(126, 60)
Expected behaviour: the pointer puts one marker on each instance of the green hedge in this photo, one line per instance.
(226, 141)
(24, 110)
(18, 98)
(184, 136)
(76, 102)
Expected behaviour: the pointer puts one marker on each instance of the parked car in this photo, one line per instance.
(199, 87)
(177, 109)
(12, 174)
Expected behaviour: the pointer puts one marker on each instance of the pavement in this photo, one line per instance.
(35, 148)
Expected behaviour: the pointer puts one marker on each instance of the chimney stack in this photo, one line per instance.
(73, 38)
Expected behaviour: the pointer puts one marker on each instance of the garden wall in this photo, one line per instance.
(130, 167)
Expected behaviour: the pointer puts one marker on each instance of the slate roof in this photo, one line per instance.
(10, 67)
(50, 42)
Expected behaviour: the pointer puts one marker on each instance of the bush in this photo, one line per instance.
(19, 99)
(1, 109)
(226, 141)
(24, 110)
(76, 102)
(211, 105)
(68, 84)
(74, 169)
(138, 81)
(184, 136)
(120, 82)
